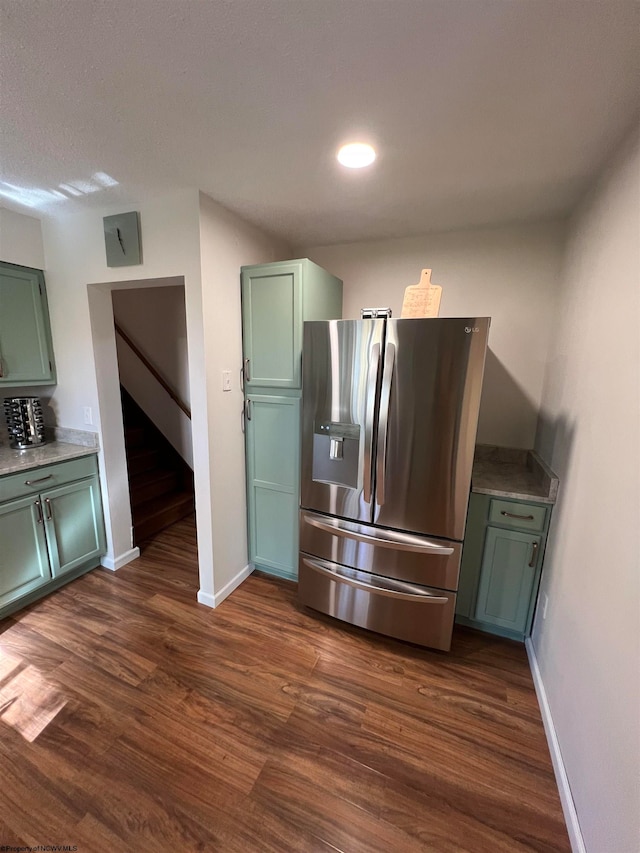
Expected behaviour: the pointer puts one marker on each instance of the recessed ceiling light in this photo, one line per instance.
(356, 155)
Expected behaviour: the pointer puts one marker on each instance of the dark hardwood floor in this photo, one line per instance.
(134, 719)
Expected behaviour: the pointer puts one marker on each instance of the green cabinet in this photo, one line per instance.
(51, 529)
(26, 353)
(272, 427)
(276, 300)
(24, 563)
(501, 564)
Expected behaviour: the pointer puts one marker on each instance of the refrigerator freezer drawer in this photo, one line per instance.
(417, 559)
(405, 611)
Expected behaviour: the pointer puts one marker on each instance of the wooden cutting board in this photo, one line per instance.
(422, 299)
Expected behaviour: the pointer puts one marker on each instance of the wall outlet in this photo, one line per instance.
(88, 415)
(545, 602)
(226, 380)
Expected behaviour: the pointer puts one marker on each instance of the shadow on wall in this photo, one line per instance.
(508, 416)
(555, 439)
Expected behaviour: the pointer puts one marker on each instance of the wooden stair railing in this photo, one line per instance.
(163, 382)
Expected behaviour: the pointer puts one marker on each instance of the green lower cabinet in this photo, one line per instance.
(48, 537)
(24, 564)
(501, 565)
(509, 568)
(272, 452)
(73, 523)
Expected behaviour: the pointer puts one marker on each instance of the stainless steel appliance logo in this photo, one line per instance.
(469, 329)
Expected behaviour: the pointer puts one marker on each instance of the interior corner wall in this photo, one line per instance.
(227, 243)
(75, 269)
(588, 646)
(509, 274)
(21, 239)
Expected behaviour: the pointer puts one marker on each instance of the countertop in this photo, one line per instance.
(512, 473)
(63, 444)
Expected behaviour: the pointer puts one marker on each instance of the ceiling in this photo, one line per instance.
(482, 111)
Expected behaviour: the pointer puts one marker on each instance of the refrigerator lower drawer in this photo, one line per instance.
(418, 559)
(398, 609)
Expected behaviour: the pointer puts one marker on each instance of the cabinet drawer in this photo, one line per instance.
(517, 515)
(402, 610)
(37, 480)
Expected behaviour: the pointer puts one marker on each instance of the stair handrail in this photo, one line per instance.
(180, 403)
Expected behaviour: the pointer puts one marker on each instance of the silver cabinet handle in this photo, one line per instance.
(41, 480)
(395, 541)
(248, 409)
(383, 420)
(49, 513)
(534, 553)
(405, 591)
(247, 374)
(39, 508)
(1, 368)
(513, 515)
(372, 387)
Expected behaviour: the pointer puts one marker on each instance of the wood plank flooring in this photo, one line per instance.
(134, 719)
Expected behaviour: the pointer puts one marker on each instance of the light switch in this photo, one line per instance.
(226, 380)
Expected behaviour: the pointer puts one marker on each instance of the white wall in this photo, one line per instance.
(21, 239)
(155, 319)
(588, 647)
(509, 274)
(79, 285)
(227, 243)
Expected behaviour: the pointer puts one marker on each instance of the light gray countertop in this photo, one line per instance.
(511, 473)
(75, 444)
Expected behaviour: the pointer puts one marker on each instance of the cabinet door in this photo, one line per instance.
(24, 564)
(25, 337)
(273, 451)
(74, 524)
(272, 324)
(509, 567)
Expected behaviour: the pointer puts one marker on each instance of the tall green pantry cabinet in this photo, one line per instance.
(276, 300)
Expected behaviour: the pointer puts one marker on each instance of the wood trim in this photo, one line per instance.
(152, 370)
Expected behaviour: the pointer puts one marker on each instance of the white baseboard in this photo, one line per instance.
(117, 563)
(227, 589)
(206, 598)
(562, 780)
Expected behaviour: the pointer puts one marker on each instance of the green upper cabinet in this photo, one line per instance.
(276, 299)
(26, 353)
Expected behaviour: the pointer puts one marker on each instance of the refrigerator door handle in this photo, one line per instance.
(372, 387)
(385, 586)
(383, 420)
(391, 539)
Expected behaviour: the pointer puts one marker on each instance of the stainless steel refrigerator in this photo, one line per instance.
(389, 418)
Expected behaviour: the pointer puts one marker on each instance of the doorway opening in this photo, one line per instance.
(153, 312)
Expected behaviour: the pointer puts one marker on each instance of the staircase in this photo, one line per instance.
(160, 482)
